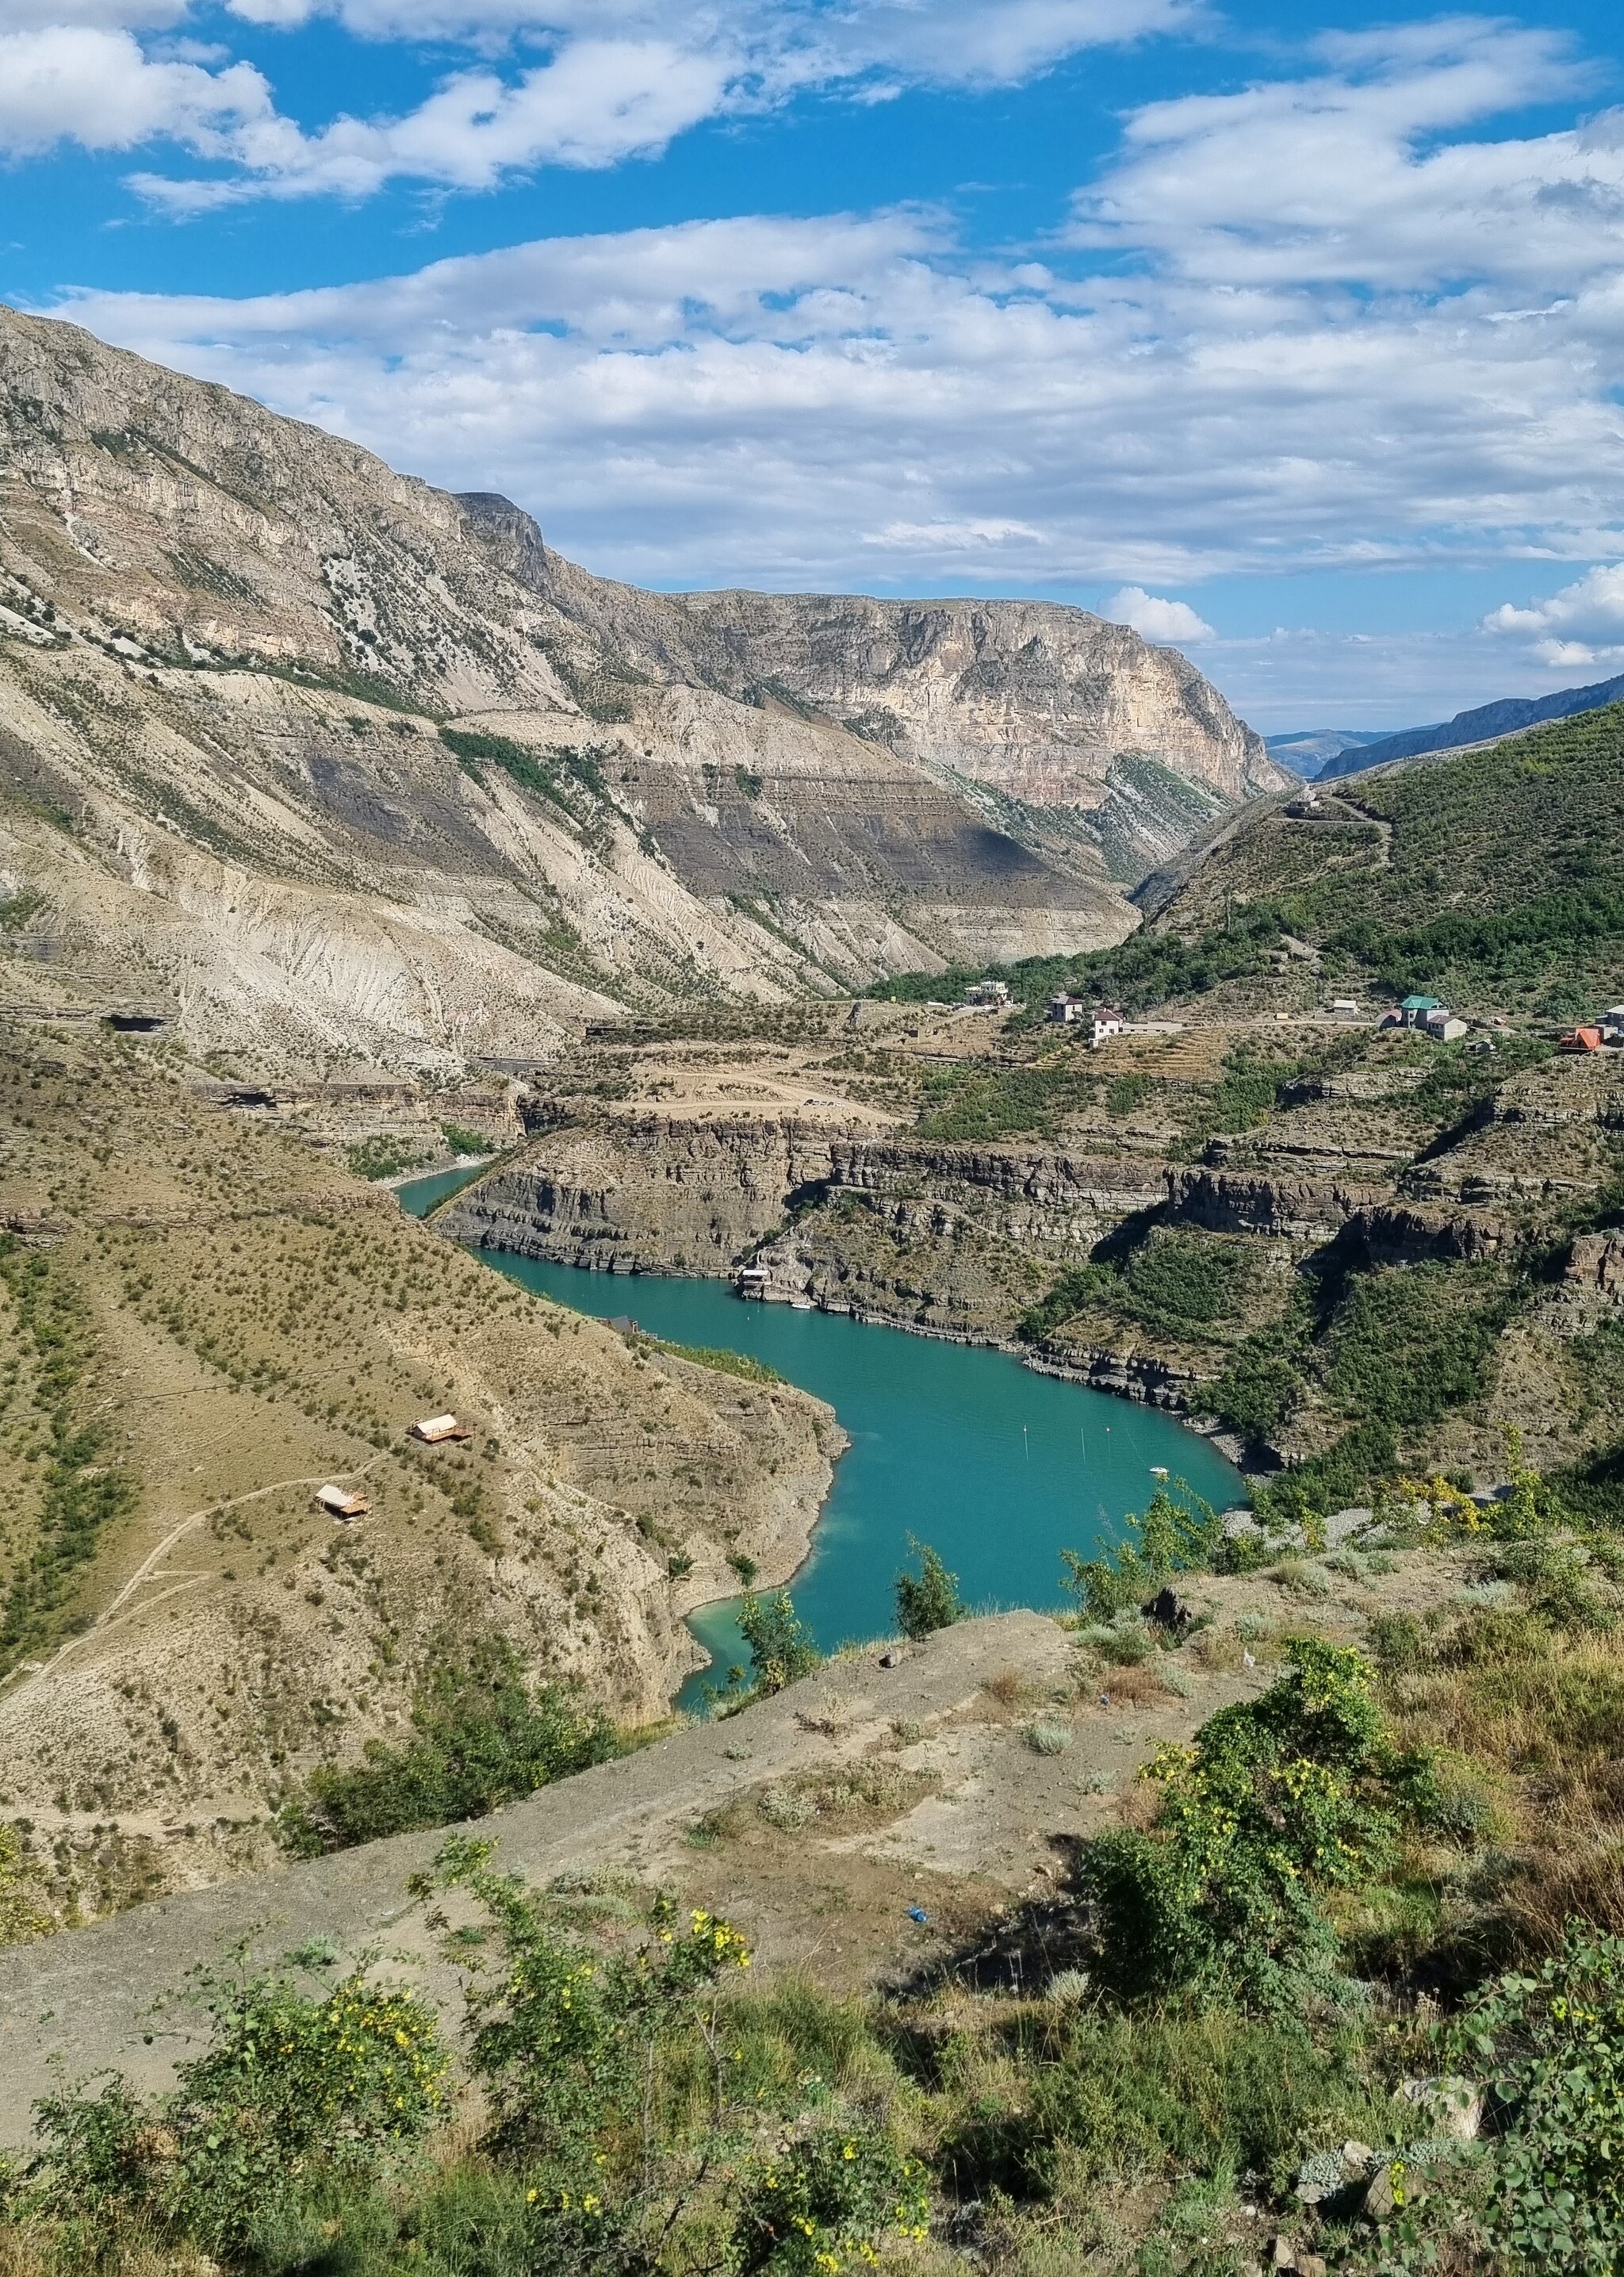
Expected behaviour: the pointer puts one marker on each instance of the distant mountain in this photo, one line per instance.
(1309, 751)
(1506, 718)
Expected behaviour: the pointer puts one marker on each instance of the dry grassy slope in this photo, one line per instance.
(242, 1321)
(226, 641)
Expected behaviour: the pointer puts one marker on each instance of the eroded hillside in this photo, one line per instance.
(342, 766)
(203, 1319)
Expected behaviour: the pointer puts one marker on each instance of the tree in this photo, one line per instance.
(929, 1600)
(780, 1649)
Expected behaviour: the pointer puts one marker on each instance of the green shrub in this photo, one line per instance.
(1279, 1799)
(715, 1357)
(1256, 1391)
(1550, 2045)
(573, 2047)
(972, 1102)
(81, 1494)
(293, 2096)
(781, 1652)
(461, 1140)
(384, 1155)
(824, 2200)
(1175, 1282)
(929, 1600)
(483, 1738)
(1408, 1343)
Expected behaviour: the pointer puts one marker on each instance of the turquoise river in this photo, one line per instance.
(998, 1468)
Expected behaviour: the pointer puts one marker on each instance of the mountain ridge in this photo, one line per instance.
(332, 757)
(1509, 715)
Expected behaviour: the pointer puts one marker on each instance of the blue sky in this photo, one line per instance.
(1293, 335)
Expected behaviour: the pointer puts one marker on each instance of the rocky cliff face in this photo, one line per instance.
(232, 649)
(1031, 698)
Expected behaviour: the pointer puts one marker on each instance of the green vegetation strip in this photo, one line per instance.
(81, 1497)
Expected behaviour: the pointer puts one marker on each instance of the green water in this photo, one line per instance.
(998, 1468)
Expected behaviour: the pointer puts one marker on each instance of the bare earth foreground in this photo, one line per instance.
(921, 1785)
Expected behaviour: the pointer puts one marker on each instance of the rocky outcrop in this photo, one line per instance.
(644, 1195)
(630, 1193)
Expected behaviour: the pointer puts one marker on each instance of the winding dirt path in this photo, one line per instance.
(147, 1569)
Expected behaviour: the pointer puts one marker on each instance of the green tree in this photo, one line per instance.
(929, 1600)
(781, 1651)
(483, 1738)
(1177, 1533)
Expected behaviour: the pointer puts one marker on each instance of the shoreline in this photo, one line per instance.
(772, 1575)
(1200, 1427)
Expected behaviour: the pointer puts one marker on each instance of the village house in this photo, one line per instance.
(342, 1502)
(988, 995)
(1416, 1012)
(1427, 1017)
(434, 1430)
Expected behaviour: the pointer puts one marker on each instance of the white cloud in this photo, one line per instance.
(602, 101)
(1341, 177)
(100, 15)
(852, 399)
(1580, 624)
(1167, 622)
(97, 88)
(792, 42)
(620, 79)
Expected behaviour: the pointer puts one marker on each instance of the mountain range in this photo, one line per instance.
(1506, 717)
(305, 752)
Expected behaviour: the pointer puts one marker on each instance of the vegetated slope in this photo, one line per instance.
(1146, 1951)
(1491, 875)
(330, 760)
(200, 1322)
(1483, 720)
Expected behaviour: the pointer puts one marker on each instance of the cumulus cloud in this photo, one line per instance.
(1168, 621)
(96, 86)
(856, 400)
(620, 79)
(600, 102)
(1582, 624)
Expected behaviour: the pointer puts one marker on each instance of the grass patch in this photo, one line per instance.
(80, 1496)
(716, 1357)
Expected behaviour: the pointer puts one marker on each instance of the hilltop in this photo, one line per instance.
(1490, 874)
